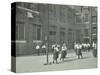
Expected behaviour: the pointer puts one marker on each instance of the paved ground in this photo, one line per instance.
(36, 63)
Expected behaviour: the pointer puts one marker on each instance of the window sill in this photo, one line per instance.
(19, 41)
(37, 41)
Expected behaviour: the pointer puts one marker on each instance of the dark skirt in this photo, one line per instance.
(63, 54)
(55, 55)
(79, 52)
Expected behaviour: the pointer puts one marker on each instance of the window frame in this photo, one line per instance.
(17, 34)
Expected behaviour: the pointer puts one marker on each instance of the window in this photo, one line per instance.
(52, 36)
(20, 31)
(51, 12)
(62, 35)
(69, 36)
(53, 28)
(62, 16)
(78, 19)
(52, 33)
(62, 29)
(94, 30)
(94, 11)
(94, 20)
(38, 33)
(78, 35)
(94, 27)
(55, 13)
(86, 10)
(86, 18)
(86, 32)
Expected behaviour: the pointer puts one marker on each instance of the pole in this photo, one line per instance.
(47, 36)
(44, 15)
(90, 28)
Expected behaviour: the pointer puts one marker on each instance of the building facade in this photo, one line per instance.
(86, 18)
(41, 23)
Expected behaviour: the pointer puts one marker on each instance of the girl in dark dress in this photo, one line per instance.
(55, 54)
(79, 51)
